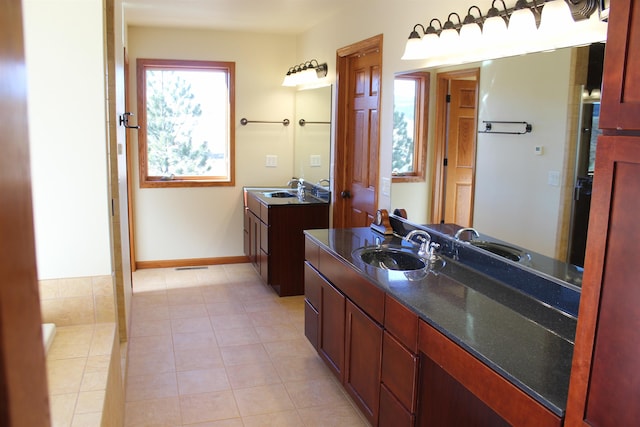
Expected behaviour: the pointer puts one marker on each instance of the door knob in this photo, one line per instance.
(346, 194)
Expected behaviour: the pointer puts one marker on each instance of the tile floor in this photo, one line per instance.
(215, 347)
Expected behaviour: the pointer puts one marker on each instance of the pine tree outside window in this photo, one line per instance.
(410, 117)
(186, 112)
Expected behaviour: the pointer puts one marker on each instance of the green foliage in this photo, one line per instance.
(402, 156)
(172, 115)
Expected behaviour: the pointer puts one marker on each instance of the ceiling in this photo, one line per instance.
(261, 16)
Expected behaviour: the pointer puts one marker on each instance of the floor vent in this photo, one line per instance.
(204, 267)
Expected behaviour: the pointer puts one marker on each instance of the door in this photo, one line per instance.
(23, 377)
(357, 164)
(461, 153)
(455, 147)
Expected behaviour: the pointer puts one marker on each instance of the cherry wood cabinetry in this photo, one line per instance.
(398, 381)
(605, 376)
(274, 240)
(347, 337)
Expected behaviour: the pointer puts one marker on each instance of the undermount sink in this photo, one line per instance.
(387, 258)
(505, 251)
(280, 194)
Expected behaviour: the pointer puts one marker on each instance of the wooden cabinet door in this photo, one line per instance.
(620, 106)
(363, 361)
(331, 345)
(605, 376)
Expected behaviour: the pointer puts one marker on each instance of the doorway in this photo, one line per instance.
(356, 167)
(455, 147)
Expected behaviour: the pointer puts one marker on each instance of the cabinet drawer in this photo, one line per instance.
(392, 413)
(311, 251)
(264, 213)
(312, 285)
(399, 371)
(311, 324)
(264, 237)
(253, 204)
(358, 289)
(402, 323)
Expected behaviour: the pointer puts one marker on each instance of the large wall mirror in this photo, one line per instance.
(312, 148)
(522, 183)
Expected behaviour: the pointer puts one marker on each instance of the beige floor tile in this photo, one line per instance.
(90, 401)
(191, 325)
(332, 416)
(62, 408)
(189, 360)
(146, 299)
(203, 407)
(202, 381)
(231, 422)
(153, 386)
(219, 294)
(151, 363)
(185, 296)
(195, 341)
(237, 336)
(271, 333)
(224, 307)
(230, 321)
(298, 347)
(153, 413)
(187, 310)
(291, 369)
(93, 419)
(276, 419)
(317, 392)
(102, 340)
(65, 375)
(96, 372)
(265, 304)
(148, 313)
(246, 376)
(151, 344)
(263, 400)
(243, 354)
(269, 318)
(145, 328)
(71, 342)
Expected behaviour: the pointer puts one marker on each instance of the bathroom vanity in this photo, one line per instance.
(274, 219)
(445, 346)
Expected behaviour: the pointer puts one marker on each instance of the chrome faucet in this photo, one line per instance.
(425, 241)
(473, 231)
(293, 181)
(325, 180)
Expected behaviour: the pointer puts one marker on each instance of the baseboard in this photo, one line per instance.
(193, 262)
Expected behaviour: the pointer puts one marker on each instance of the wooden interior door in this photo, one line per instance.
(461, 152)
(358, 142)
(455, 147)
(23, 379)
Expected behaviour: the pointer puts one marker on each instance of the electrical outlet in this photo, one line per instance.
(272, 161)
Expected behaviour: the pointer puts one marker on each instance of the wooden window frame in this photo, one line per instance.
(142, 65)
(421, 120)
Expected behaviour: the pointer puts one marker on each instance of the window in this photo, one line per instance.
(410, 117)
(186, 113)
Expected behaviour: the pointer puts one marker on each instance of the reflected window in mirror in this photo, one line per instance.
(410, 120)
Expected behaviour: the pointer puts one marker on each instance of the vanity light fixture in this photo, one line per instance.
(507, 31)
(305, 73)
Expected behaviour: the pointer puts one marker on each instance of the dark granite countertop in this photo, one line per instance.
(262, 194)
(524, 340)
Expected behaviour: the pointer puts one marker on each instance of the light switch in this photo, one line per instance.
(272, 161)
(315, 160)
(386, 186)
(553, 178)
(539, 150)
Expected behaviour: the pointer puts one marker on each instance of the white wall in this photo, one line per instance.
(187, 223)
(514, 201)
(66, 77)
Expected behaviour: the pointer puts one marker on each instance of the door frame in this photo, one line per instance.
(340, 155)
(439, 176)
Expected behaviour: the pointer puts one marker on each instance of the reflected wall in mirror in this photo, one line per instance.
(524, 184)
(312, 148)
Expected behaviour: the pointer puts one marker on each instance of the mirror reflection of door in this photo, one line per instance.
(358, 141)
(457, 116)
